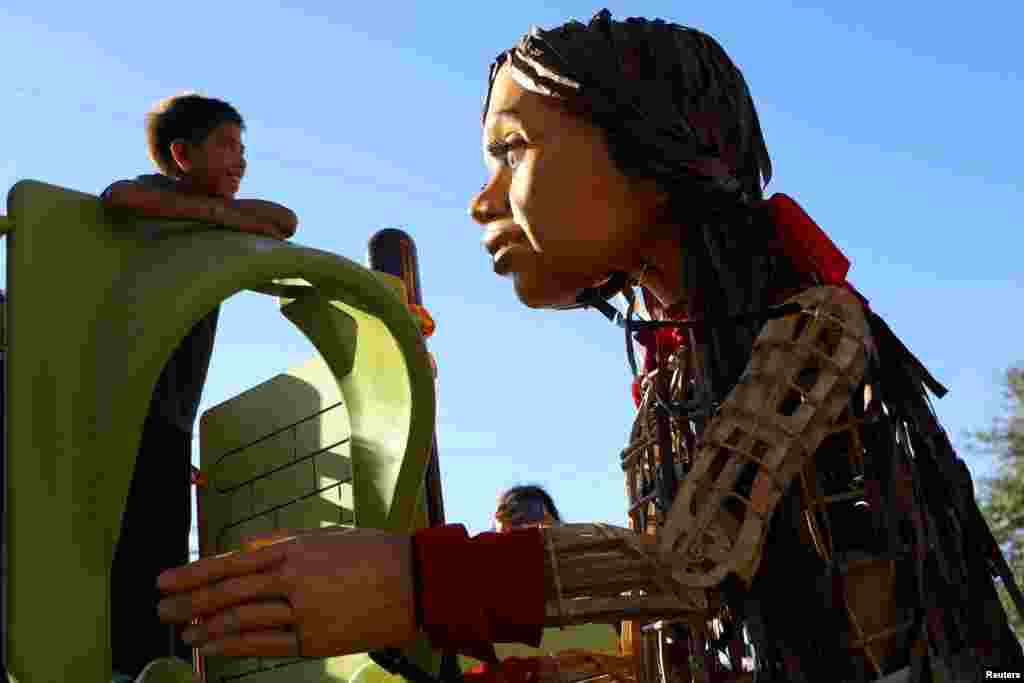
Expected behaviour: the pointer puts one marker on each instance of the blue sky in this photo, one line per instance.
(896, 125)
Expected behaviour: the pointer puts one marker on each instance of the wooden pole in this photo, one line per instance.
(393, 251)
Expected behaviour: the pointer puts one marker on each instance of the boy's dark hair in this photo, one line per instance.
(188, 117)
(510, 499)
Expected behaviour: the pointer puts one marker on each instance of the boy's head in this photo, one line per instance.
(198, 140)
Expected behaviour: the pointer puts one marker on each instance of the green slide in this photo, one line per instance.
(96, 304)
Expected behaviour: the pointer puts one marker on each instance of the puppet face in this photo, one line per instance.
(558, 216)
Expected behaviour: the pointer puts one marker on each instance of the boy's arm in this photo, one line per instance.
(130, 195)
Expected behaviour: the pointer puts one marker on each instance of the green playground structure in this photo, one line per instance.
(95, 304)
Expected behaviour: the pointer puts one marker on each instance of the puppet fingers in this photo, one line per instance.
(256, 616)
(267, 643)
(209, 600)
(212, 569)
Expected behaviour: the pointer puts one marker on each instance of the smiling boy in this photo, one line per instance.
(196, 143)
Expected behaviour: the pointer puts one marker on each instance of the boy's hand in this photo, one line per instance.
(233, 217)
(282, 218)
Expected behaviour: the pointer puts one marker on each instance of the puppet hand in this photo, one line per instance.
(318, 594)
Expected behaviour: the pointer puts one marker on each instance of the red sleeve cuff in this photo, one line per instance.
(486, 589)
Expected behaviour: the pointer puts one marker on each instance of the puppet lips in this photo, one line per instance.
(504, 257)
(501, 241)
(502, 251)
(496, 237)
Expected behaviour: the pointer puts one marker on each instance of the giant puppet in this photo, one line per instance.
(786, 469)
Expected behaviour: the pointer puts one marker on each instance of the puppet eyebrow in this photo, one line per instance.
(512, 114)
(497, 148)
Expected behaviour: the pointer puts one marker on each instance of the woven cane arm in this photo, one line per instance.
(602, 573)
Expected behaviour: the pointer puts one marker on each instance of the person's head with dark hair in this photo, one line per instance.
(198, 140)
(521, 506)
(623, 149)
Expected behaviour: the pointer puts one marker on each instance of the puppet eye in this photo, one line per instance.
(507, 153)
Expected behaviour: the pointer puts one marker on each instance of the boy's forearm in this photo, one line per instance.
(162, 204)
(281, 216)
(246, 215)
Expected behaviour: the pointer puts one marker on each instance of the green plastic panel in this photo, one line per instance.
(96, 304)
(280, 456)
